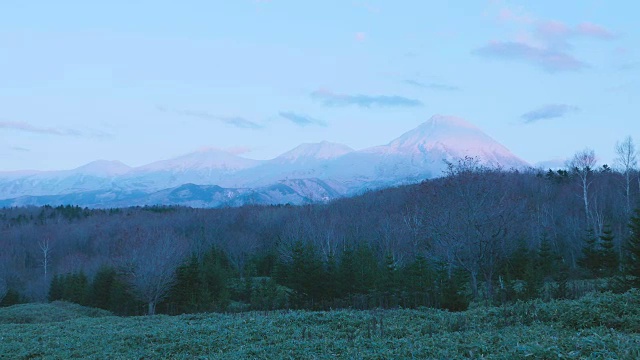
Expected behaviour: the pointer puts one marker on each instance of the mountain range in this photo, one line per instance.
(309, 173)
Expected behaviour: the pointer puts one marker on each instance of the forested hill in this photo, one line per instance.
(475, 234)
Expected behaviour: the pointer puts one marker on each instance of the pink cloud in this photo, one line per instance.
(360, 36)
(560, 31)
(24, 126)
(509, 15)
(553, 29)
(593, 30)
(367, 5)
(548, 59)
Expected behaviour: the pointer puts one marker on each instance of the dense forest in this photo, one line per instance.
(477, 234)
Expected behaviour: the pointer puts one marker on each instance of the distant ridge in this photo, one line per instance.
(311, 172)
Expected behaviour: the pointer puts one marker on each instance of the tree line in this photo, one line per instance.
(476, 234)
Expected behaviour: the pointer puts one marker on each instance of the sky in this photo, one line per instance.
(146, 80)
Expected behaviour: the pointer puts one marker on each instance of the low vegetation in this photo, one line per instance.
(598, 326)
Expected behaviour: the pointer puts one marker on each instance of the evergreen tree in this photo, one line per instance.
(101, 288)
(55, 288)
(306, 275)
(417, 281)
(388, 285)
(202, 284)
(76, 288)
(515, 272)
(590, 260)
(189, 293)
(332, 280)
(562, 278)
(608, 259)
(547, 259)
(452, 290)
(70, 287)
(367, 269)
(12, 297)
(632, 254)
(347, 273)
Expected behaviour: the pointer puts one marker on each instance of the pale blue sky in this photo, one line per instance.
(140, 81)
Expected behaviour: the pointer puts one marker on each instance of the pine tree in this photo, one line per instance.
(76, 288)
(632, 253)
(306, 276)
(101, 288)
(546, 259)
(55, 289)
(562, 277)
(452, 296)
(347, 273)
(417, 281)
(189, 291)
(332, 280)
(590, 261)
(389, 282)
(608, 260)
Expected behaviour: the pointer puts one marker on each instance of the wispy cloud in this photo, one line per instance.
(550, 111)
(593, 30)
(557, 34)
(24, 126)
(235, 121)
(239, 122)
(302, 120)
(629, 66)
(543, 43)
(20, 149)
(548, 59)
(328, 98)
(628, 87)
(360, 36)
(514, 15)
(368, 6)
(431, 86)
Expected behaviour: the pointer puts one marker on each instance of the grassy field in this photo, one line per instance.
(599, 326)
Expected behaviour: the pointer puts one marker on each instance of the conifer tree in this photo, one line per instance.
(632, 254)
(347, 273)
(101, 288)
(606, 253)
(590, 260)
(55, 288)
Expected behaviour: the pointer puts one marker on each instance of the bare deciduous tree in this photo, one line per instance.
(471, 220)
(582, 164)
(150, 266)
(627, 160)
(45, 248)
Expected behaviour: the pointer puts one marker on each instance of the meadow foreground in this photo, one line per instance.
(599, 326)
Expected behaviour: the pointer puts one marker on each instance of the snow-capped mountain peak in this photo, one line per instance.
(103, 168)
(452, 137)
(324, 150)
(444, 132)
(336, 170)
(205, 159)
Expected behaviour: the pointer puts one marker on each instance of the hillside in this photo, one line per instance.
(598, 326)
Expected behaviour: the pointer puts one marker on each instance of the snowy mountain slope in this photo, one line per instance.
(421, 153)
(295, 192)
(95, 175)
(451, 137)
(307, 173)
(204, 167)
(313, 152)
